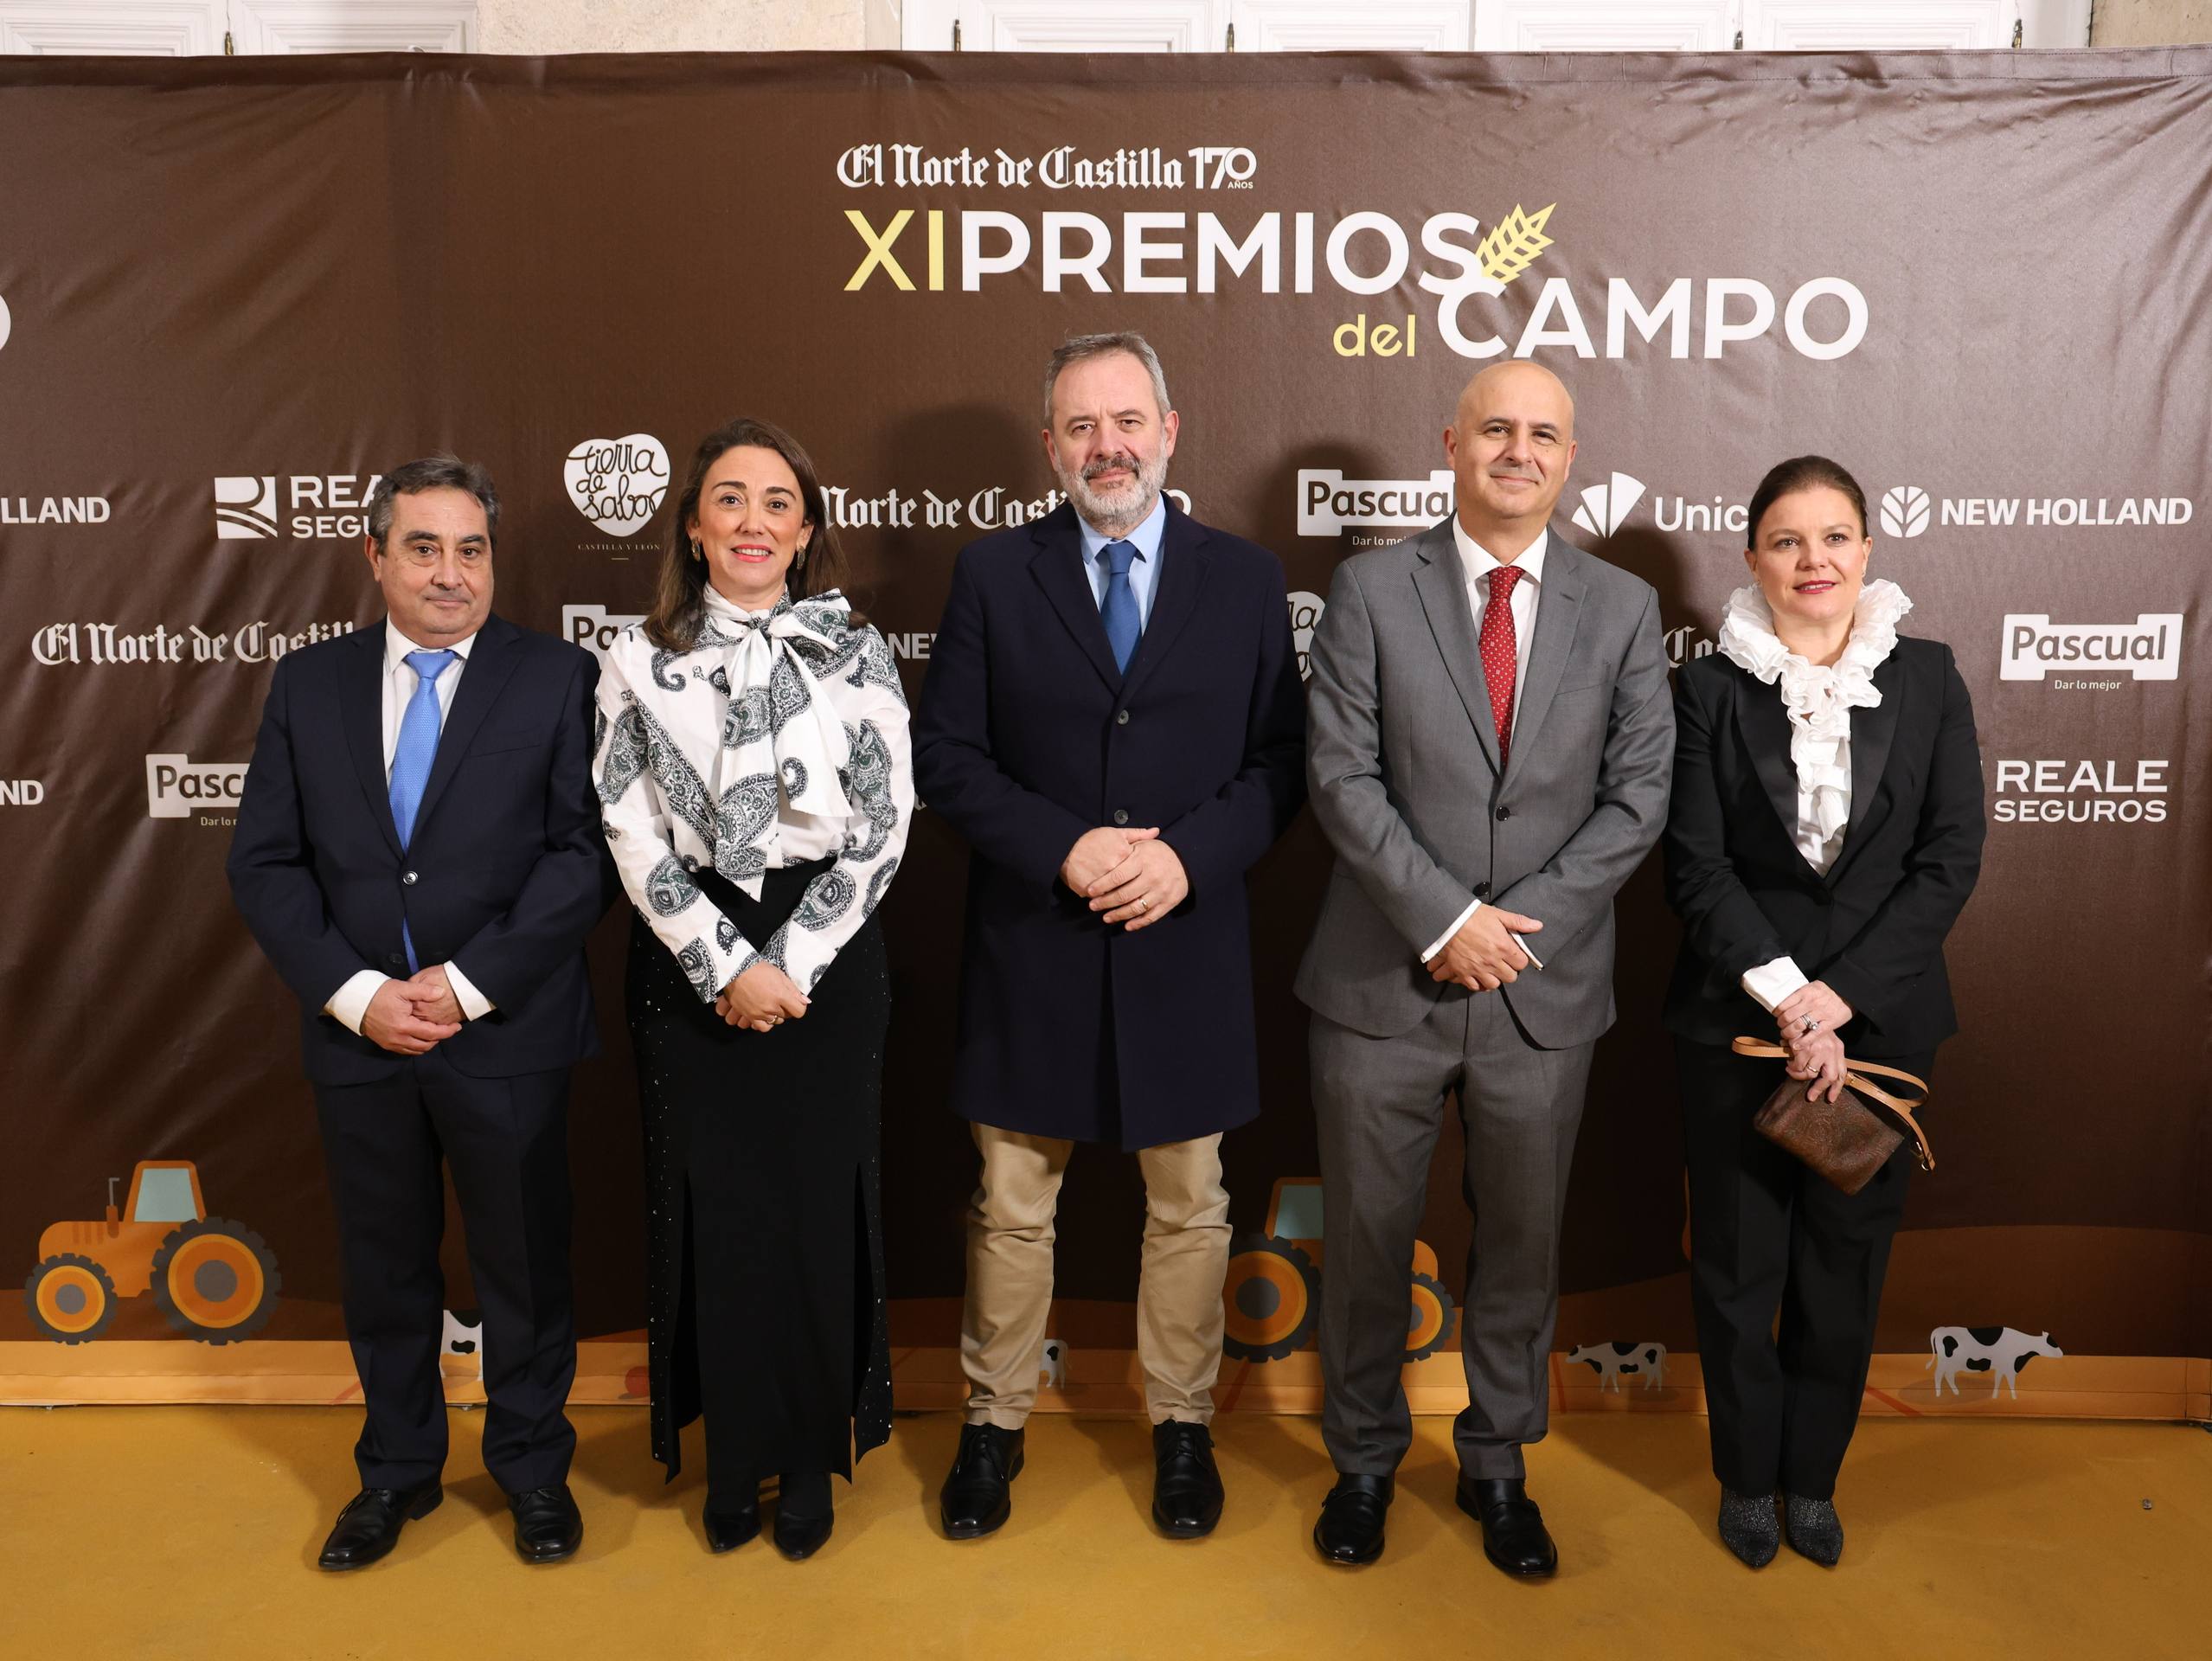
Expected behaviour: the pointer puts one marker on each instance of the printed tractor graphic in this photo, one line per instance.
(215, 1280)
(1273, 1290)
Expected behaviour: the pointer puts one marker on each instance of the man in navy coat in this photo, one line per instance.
(1113, 719)
(419, 853)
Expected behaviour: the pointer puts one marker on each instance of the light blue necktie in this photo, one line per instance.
(1119, 606)
(412, 755)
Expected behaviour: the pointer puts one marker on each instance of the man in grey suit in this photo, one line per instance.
(1490, 739)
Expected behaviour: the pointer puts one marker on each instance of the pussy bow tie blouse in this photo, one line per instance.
(778, 738)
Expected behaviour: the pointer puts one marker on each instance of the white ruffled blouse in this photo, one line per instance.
(779, 738)
(1819, 699)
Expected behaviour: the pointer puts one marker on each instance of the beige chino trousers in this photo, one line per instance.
(1010, 1235)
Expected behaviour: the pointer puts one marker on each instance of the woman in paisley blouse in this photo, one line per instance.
(752, 764)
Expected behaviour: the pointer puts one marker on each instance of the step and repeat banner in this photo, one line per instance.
(232, 292)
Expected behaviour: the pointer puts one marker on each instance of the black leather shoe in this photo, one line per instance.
(1514, 1535)
(369, 1525)
(1186, 1486)
(804, 1516)
(1350, 1529)
(729, 1527)
(975, 1500)
(547, 1525)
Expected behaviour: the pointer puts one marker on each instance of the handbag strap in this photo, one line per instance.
(1854, 1078)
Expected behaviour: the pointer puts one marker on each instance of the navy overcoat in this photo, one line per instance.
(1028, 737)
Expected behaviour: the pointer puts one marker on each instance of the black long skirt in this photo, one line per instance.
(765, 1309)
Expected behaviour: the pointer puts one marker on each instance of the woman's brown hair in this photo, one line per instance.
(673, 624)
(1801, 473)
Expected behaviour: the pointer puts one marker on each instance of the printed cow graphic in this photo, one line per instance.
(1609, 1361)
(1998, 1351)
(461, 1344)
(1052, 1365)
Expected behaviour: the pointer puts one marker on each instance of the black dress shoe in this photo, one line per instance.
(547, 1525)
(1186, 1486)
(369, 1525)
(1350, 1529)
(1514, 1535)
(975, 1499)
(803, 1515)
(729, 1527)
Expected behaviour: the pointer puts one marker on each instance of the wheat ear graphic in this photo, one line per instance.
(1513, 242)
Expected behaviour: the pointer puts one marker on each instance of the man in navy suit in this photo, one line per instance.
(1113, 719)
(419, 853)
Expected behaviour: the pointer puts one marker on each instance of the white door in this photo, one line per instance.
(1488, 25)
(245, 27)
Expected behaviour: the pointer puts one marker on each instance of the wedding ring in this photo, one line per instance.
(1812, 1025)
(1141, 902)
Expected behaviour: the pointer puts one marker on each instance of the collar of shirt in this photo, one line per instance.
(720, 603)
(397, 646)
(1145, 539)
(1478, 561)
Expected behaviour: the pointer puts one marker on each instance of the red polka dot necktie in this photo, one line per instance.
(1501, 655)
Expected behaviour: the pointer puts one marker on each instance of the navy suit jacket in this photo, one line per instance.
(505, 875)
(1027, 737)
(1873, 927)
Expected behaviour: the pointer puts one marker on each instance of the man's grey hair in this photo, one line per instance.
(1076, 347)
(432, 474)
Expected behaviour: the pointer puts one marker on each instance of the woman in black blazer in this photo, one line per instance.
(1825, 830)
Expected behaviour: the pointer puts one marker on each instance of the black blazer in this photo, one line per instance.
(1027, 737)
(505, 875)
(1873, 927)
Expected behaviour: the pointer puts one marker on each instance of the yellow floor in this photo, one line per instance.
(185, 1532)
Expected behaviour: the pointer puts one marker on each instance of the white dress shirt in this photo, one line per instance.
(1477, 562)
(350, 1001)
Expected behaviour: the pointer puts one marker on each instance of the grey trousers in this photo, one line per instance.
(1379, 1104)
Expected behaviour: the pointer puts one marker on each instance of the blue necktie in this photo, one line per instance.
(412, 755)
(1119, 606)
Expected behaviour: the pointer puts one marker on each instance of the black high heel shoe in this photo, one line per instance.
(728, 1526)
(803, 1515)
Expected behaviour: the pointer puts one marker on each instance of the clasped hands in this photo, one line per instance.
(761, 999)
(1484, 954)
(1130, 875)
(1808, 1019)
(413, 1016)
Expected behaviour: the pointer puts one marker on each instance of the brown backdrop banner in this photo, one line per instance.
(232, 291)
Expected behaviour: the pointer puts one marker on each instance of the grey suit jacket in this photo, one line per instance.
(1401, 764)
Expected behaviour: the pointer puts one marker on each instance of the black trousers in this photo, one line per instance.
(1769, 1236)
(762, 1159)
(506, 1141)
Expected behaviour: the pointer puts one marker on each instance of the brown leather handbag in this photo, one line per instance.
(1848, 1140)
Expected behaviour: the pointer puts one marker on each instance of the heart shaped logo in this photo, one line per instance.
(618, 484)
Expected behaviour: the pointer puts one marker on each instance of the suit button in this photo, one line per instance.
(1504, 813)
(1121, 816)
(1481, 890)
(409, 880)
(1121, 718)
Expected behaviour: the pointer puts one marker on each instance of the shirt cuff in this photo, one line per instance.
(1443, 939)
(474, 1004)
(349, 1003)
(1770, 983)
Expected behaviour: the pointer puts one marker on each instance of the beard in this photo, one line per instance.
(1125, 507)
